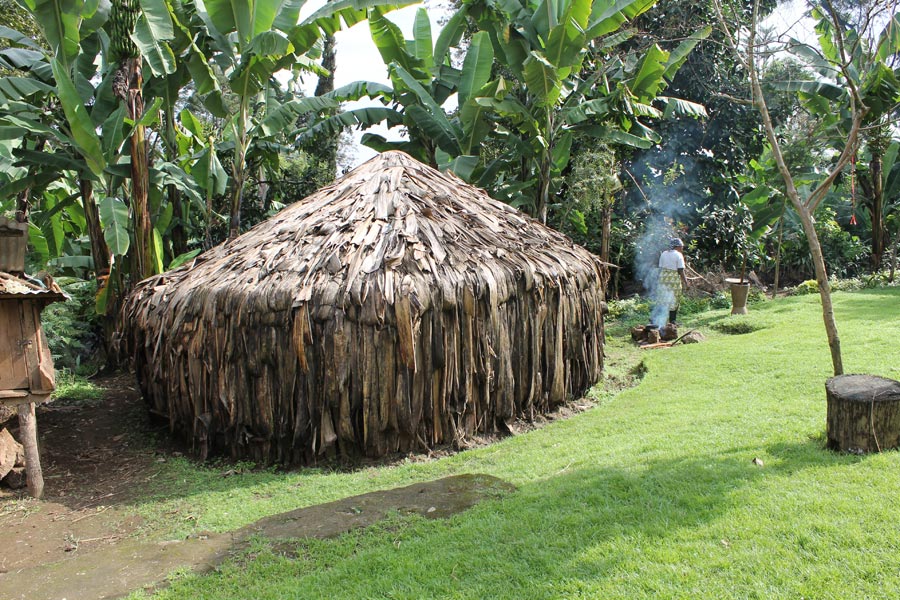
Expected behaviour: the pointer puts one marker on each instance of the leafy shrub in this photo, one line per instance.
(737, 325)
(73, 328)
(629, 309)
(810, 286)
(70, 386)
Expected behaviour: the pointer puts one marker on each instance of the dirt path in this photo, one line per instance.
(78, 543)
(120, 568)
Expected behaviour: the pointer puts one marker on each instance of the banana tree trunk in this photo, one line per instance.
(99, 249)
(142, 265)
(179, 239)
(543, 197)
(237, 194)
(238, 170)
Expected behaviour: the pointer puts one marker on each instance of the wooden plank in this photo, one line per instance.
(13, 370)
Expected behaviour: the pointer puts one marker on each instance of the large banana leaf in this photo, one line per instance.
(421, 43)
(648, 81)
(114, 217)
(20, 39)
(676, 107)
(542, 80)
(608, 16)
(680, 53)
(350, 12)
(159, 19)
(437, 127)
(566, 41)
(360, 117)
(249, 18)
(450, 34)
(59, 20)
(823, 89)
(56, 161)
(21, 88)
(390, 43)
(889, 40)
(284, 117)
(428, 114)
(153, 48)
(82, 128)
(477, 65)
(360, 89)
(35, 181)
(31, 61)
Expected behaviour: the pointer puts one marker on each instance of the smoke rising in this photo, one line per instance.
(669, 199)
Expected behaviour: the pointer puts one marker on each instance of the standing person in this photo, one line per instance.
(672, 281)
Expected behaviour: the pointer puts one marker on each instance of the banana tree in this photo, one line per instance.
(251, 41)
(532, 113)
(46, 104)
(544, 46)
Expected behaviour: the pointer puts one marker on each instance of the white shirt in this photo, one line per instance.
(671, 259)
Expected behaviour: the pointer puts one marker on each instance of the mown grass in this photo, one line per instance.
(654, 493)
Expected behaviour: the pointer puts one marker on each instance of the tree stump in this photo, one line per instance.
(863, 413)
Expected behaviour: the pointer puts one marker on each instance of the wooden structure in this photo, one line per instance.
(394, 310)
(863, 413)
(26, 366)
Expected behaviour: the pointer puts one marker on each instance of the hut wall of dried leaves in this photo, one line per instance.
(395, 310)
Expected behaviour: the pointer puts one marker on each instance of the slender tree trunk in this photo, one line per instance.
(23, 203)
(99, 249)
(605, 230)
(238, 167)
(893, 255)
(778, 256)
(179, 239)
(877, 212)
(207, 237)
(328, 148)
(140, 177)
(834, 342)
(237, 195)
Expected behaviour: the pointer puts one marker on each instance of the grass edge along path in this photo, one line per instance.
(708, 480)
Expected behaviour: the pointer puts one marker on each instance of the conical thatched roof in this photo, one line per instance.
(397, 307)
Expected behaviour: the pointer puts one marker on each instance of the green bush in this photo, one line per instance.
(737, 325)
(634, 308)
(73, 328)
(810, 286)
(70, 386)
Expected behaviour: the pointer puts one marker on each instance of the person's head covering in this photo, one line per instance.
(677, 243)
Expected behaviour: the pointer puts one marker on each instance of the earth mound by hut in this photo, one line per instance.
(396, 309)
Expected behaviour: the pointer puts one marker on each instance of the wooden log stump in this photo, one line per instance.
(863, 413)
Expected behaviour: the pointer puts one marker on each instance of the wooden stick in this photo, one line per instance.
(28, 429)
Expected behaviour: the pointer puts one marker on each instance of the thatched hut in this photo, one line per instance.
(396, 309)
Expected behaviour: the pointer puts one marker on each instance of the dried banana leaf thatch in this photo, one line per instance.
(397, 309)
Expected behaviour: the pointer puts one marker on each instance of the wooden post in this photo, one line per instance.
(28, 433)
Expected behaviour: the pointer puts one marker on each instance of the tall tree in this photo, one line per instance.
(128, 83)
(834, 56)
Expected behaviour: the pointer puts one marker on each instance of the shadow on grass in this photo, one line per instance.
(537, 542)
(876, 305)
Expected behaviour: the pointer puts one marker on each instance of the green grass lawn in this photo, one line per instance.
(653, 493)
